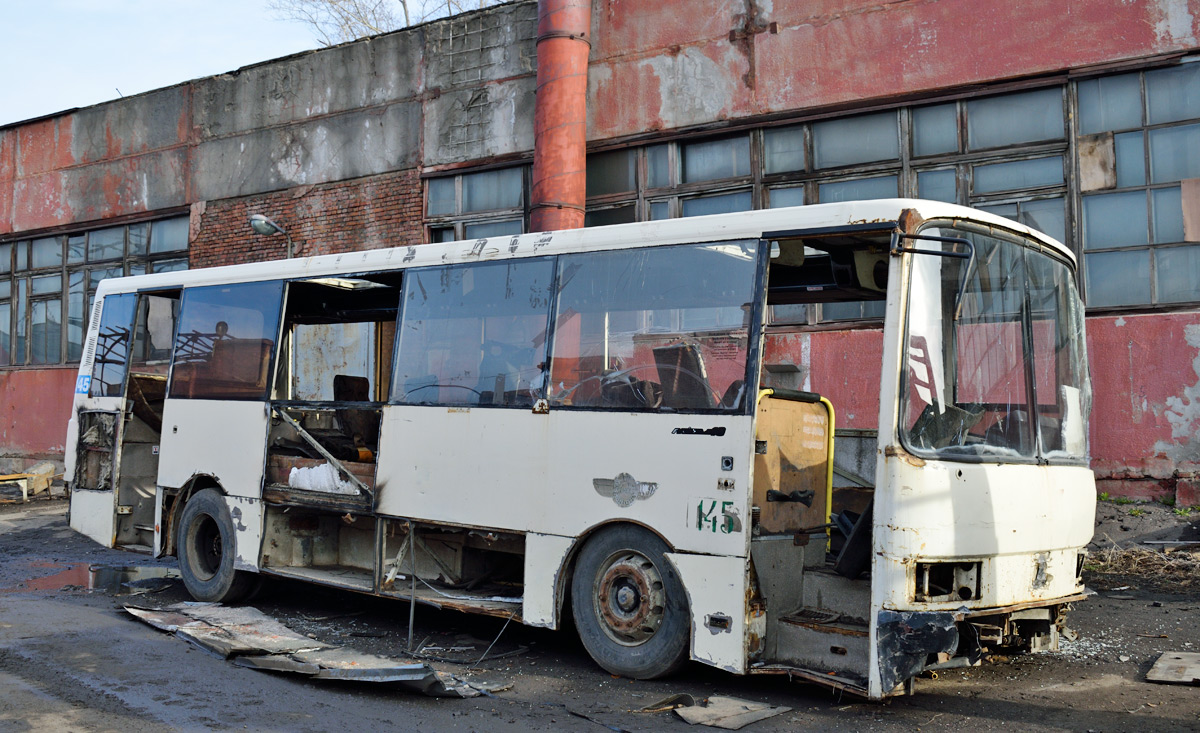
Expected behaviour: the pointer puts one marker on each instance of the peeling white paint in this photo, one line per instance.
(1175, 22)
(1119, 322)
(693, 87)
(1183, 412)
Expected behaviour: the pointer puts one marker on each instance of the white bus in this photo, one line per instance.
(582, 422)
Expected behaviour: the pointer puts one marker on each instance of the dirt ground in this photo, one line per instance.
(71, 659)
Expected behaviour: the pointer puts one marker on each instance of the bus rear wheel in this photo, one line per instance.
(207, 551)
(629, 605)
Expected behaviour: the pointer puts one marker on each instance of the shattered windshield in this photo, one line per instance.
(995, 355)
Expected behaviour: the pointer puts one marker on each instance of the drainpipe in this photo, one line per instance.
(560, 118)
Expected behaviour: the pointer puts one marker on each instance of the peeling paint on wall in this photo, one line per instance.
(1183, 413)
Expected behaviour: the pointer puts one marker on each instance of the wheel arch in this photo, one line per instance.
(174, 512)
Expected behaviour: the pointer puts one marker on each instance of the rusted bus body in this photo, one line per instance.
(490, 426)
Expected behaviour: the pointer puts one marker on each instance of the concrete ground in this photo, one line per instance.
(71, 659)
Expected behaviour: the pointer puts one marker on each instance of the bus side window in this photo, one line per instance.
(226, 340)
(112, 345)
(474, 334)
(154, 334)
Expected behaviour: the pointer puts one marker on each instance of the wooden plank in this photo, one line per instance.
(1179, 668)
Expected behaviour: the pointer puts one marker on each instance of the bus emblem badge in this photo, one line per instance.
(624, 489)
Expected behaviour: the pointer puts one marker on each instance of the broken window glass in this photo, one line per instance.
(663, 328)
(112, 345)
(474, 334)
(226, 341)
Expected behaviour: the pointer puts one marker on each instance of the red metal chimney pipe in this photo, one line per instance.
(560, 117)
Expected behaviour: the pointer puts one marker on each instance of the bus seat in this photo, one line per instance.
(682, 376)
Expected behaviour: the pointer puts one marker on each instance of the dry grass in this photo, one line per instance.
(1179, 568)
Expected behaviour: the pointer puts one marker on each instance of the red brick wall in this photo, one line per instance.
(364, 213)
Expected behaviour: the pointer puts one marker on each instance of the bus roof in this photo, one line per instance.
(714, 228)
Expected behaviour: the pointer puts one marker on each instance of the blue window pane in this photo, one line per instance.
(1118, 278)
(47, 252)
(714, 159)
(781, 197)
(5, 289)
(1111, 103)
(783, 149)
(170, 265)
(166, 235)
(106, 244)
(1178, 273)
(1173, 94)
(1015, 118)
(76, 249)
(938, 186)
(492, 229)
(1018, 174)
(1130, 156)
(6, 258)
(1008, 211)
(47, 284)
(440, 196)
(500, 189)
(139, 236)
(5, 333)
(1048, 216)
(1168, 215)
(1174, 153)
(1114, 220)
(660, 210)
(22, 256)
(722, 204)
(935, 129)
(112, 345)
(45, 332)
(882, 187)
(658, 160)
(856, 140)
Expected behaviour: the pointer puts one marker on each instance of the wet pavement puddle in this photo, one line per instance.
(120, 580)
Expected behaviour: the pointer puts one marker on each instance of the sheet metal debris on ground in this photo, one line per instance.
(728, 713)
(1181, 668)
(252, 639)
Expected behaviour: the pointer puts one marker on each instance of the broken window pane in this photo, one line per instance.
(615, 215)
(45, 331)
(1110, 103)
(106, 244)
(714, 159)
(47, 252)
(1114, 219)
(657, 328)
(861, 139)
(1118, 278)
(938, 185)
(499, 189)
(441, 234)
(1015, 118)
(721, 204)
(783, 149)
(1018, 174)
(881, 187)
(791, 196)
(1168, 214)
(1130, 156)
(658, 161)
(474, 335)
(504, 228)
(112, 345)
(1178, 272)
(153, 334)
(1174, 153)
(226, 341)
(1173, 94)
(611, 172)
(935, 129)
(440, 196)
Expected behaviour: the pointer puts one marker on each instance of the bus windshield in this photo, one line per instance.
(996, 361)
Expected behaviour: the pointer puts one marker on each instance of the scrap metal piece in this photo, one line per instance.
(1180, 668)
(729, 713)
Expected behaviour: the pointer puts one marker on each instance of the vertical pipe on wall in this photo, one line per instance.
(560, 118)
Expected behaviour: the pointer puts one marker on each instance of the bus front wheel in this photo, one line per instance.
(206, 551)
(629, 605)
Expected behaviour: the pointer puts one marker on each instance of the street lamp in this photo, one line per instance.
(262, 225)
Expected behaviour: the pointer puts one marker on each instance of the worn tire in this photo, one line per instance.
(207, 551)
(629, 606)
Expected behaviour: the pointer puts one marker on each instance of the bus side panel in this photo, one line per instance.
(545, 563)
(569, 471)
(225, 439)
(92, 515)
(716, 588)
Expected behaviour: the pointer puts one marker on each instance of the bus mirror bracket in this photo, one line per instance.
(898, 247)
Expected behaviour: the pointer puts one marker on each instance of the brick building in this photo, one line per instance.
(1081, 119)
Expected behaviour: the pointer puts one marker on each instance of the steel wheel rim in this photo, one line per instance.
(629, 598)
(207, 547)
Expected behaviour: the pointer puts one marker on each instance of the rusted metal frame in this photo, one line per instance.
(994, 611)
(324, 453)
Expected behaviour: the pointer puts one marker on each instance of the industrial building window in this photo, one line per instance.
(473, 205)
(46, 283)
(1139, 170)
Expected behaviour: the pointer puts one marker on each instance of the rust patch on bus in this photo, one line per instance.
(894, 452)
